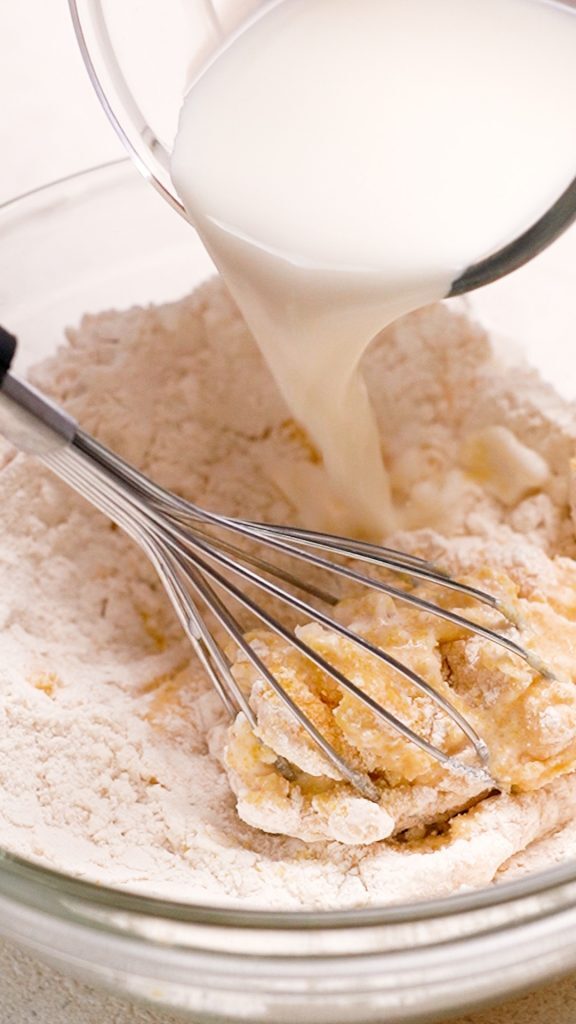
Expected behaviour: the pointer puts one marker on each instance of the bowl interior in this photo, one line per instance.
(104, 239)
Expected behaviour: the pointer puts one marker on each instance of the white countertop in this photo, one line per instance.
(52, 125)
(31, 993)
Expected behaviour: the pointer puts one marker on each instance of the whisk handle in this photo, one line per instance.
(8, 345)
(28, 420)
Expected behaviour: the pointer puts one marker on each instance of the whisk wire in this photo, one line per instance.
(195, 567)
(358, 779)
(123, 469)
(77, 475)
(180, 542)
(347, 684)
(358, 640)
(388, 558)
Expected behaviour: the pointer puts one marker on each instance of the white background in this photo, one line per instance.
(52, 125)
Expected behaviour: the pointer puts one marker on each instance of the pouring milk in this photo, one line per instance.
(345, 160)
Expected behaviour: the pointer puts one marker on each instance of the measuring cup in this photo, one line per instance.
(124, 43)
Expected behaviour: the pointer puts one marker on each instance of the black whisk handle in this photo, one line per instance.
(7, 351)
(28, 419)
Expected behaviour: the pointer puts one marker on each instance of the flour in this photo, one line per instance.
(104, 763)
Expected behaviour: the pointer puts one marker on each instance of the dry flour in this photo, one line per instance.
(104, 764)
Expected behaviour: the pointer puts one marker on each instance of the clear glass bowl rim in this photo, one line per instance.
(43, 881)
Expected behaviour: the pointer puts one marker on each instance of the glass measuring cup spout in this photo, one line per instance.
(123, 45)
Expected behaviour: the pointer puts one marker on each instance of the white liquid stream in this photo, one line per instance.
(345, 160)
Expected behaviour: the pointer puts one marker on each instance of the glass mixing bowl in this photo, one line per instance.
(103, 239)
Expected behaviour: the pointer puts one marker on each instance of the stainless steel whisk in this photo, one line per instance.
(196, 568)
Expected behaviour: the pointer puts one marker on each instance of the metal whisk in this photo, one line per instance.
(197, 568)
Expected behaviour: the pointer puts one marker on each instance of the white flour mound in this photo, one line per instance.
(104, 763)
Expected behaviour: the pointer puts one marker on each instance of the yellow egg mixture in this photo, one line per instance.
(527, 719)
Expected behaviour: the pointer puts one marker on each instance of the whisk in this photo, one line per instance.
(202, 572)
